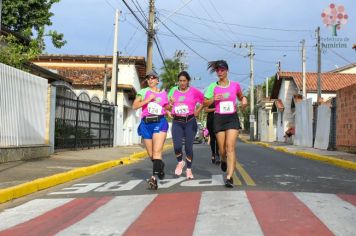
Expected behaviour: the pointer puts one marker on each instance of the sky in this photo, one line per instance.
(209, 30)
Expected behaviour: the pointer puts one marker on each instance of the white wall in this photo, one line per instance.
(288, 89)
(23, 106)
(325, 96)
(128, 75)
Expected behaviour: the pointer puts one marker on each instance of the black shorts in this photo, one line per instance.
(225, 122)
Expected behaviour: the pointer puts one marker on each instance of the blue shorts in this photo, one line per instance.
(147, 130)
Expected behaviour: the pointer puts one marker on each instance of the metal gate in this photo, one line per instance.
(81, 122)
(332, 136)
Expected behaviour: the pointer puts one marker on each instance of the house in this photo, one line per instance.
(349, 69)
(87, 74)
(289, 84)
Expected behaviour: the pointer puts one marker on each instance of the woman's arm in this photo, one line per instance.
(138, 103)
(208, 110)
(242, 99)
(208, 102)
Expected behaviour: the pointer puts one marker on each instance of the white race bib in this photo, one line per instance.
(181, 109)
(226, 107)
(154, 108)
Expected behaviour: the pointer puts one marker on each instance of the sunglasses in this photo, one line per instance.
(220, 69)
(152, 78)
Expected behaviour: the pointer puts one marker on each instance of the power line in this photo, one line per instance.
(139, 9)
(107, 2)
(337, 54)
(182, 41)
(134, 14)
(248, 26)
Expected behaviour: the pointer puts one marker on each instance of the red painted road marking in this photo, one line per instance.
(349, 198)
(282, 213)
(57, 219)
(168, 214)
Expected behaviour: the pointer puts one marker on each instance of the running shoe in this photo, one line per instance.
(179, 168)
(229, 183)
(153, 183)
(223, 166)
(213, 160)
(189, 173)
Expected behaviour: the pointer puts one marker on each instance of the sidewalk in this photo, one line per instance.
(341, 159)
(21, 178)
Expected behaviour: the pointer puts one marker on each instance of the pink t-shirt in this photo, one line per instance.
(227, 104)
(156, 106)
(185, 102)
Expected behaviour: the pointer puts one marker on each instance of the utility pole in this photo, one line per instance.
(266, 87)
(319, 64)
(115, 63)
(0, 14)
(105, 88)
(252, 96)
(179, 55)
(150, 35)
(304, 69)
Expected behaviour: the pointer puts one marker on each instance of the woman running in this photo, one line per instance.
(184, 99)
(215, 159)
(153, 127)
(224, 93)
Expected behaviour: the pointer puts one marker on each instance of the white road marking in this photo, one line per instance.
(111, 219)
(28, 211)
(226, 213)
(338, 215)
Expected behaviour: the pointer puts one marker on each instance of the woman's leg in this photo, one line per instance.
(190, 131)
(177, 136)
(158, 142)
(220, 138)
(148, 145)
(230, 143)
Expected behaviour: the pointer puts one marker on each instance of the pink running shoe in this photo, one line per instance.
(189, 174)
(179, 168)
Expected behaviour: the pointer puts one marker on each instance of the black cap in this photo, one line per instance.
(221, 64)
(151, 73)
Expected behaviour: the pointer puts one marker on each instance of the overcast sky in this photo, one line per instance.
(210, 28)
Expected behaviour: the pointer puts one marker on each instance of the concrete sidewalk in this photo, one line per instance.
(21, 178)
(341, 159)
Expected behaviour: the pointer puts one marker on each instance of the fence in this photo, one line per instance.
(23, 104)
(82, 122)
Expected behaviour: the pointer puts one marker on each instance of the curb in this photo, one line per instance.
(8, 194)
(327, 159)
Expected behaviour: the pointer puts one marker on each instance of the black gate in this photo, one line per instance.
(81, 122)
(332, 136)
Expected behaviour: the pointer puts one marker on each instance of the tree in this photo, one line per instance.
(29, 18)
(171, 70)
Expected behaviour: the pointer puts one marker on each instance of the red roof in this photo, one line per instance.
(82, 75)
(330, 82)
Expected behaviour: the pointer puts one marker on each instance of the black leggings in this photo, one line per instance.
(213, 142)
(182, 130)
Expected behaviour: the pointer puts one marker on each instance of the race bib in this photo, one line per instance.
(226, 107)
(154, 108)
(181, 110)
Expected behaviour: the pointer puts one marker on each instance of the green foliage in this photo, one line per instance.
(270, 86)
(17, 54)
(170, 72)
(29, 19)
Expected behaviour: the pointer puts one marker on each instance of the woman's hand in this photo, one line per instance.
(218, 97)
(150, 98)
(171, 101)
(244, 102)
